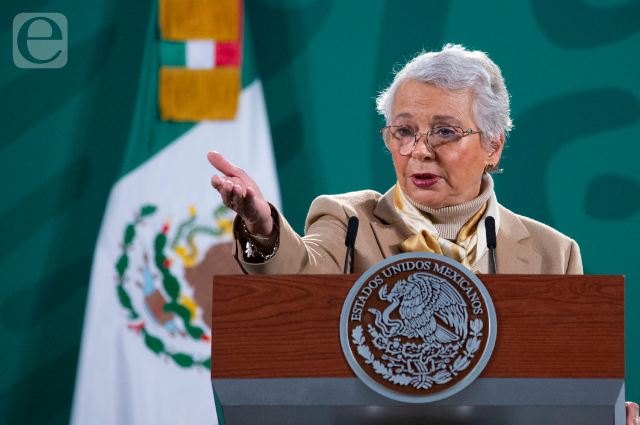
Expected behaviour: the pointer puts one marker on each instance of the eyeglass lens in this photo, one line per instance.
(404, 139)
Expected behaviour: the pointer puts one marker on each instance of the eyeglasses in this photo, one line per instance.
(404, 139)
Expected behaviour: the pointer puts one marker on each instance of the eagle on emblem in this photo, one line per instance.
(421, 299)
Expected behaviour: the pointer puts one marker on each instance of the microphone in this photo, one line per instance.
(350, 240)
(490, 226)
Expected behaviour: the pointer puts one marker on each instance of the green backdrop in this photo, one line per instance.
(571, 67)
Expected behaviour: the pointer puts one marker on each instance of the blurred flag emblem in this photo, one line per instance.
(200, 56)
(172, 300)
(145, 356)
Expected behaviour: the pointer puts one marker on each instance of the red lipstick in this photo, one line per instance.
(424, 179)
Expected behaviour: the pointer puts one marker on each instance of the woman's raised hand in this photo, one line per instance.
(240, 193)
(632, 413)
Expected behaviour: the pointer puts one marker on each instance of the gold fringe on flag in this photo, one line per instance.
(196, 95)
(182, 20)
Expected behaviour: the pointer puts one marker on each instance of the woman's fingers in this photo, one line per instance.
(216, 182)
(225, 189)
(219, 183)
(251, 194)
(238, 199)
(222, 164)
(632, 413)
(234, 194)
(231, 171)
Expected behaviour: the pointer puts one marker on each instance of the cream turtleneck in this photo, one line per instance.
(448, 221)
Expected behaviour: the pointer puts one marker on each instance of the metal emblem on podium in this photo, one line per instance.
(418, 327)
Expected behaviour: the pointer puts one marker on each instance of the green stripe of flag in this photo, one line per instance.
(172, 53)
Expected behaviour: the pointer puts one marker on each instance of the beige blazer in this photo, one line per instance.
(524, 246)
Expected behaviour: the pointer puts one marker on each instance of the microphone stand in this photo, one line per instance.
(490, 227)
(350, 240)
(346, 259)
(492, 254)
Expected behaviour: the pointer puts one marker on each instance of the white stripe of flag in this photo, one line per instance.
(201, 54)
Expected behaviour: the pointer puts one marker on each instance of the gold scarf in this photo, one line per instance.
(463, 250)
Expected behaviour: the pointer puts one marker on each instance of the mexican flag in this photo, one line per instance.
(145, 354)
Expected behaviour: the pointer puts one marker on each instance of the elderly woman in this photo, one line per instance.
(447, 116)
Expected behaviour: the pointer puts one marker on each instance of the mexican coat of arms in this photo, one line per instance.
(418, 327)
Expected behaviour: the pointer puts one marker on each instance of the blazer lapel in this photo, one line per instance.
(514, 254)
(391, 230)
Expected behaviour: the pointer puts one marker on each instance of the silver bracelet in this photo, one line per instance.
(251, 249)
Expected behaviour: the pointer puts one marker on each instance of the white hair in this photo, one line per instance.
(456, 68)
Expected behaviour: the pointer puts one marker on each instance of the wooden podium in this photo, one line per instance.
(559, 358)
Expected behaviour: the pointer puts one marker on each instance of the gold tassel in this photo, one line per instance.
(182, 20)
(196, 95)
